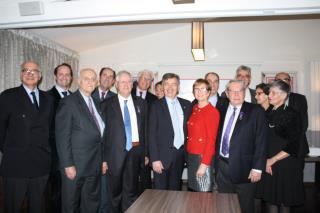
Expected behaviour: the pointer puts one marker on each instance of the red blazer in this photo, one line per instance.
(202, 132)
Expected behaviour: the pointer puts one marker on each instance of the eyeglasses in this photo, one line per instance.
(200, 90)
(27, 71)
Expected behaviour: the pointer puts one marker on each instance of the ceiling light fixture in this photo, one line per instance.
(197, 45)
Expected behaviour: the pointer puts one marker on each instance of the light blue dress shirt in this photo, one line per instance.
(36, 92)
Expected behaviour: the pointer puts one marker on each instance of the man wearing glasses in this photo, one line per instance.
(25, 119)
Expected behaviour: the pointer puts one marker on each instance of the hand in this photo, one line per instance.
(104, 168)
(157, 167)
(70, 172)
(254, 176)
(269, 164)
(202, 170)
(146, 161)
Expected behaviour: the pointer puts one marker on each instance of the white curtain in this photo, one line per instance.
(314, 104)
(17, 46)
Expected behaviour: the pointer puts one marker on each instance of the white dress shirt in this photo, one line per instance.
(213, 100)
(144, 93)
(36, 92)
(60, 90)
(247, 96)
(133, 116)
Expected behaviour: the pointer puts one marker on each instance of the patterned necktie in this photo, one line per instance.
(102, 95)
(35, 102)
(178, 141)
(93, 114)
(127, 125)
(65, 93)
(225, 141)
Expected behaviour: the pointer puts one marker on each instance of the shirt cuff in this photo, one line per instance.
(257, 170)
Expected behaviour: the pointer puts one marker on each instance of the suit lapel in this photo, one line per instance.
(85, 110)
(166, 113)
(240, 119)
(117, 108)
(138, 111)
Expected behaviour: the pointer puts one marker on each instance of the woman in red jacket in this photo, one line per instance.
(202, 131)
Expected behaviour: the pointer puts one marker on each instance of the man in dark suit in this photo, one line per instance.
(167, 134)
(100, 94)
(299, 103)
(145, 79)
(106, 81)
(241, 146)
(63, 76)
(79, 133)
(243, 73)
(124, 143)
(25, 118)
(215, 99)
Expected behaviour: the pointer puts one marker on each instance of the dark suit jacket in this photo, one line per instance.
(115, 136)
(220, 102)
(53, 92)
(79, 142)
(96, 95)
(252, 93)
(24, 134)
(247, 143)
(149, 96)
(161, 133)
(299, 103)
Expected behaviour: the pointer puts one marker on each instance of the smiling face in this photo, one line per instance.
(63, 77)
(107, 79)
(124, 84)
(201, 92)
(171, 87)
(236, 93)
(245, 76)
(30, 75)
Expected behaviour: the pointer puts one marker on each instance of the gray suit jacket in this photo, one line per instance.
(79, 142)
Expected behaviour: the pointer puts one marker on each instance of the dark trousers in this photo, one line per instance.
(16, 188)
(103, 199)
(81, 194)
(122, 187)
(170, 178)
(145, 177)
(54, 192)
(245, 191)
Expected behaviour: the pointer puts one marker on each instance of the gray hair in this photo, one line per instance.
(235, 81)
(146, 72)
(86, 69)
(245, 68)
(29, 61)
(123, 72)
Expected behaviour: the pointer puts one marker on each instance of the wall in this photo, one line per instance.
(266, 46)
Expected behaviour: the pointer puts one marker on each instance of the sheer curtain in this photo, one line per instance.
(17, 46)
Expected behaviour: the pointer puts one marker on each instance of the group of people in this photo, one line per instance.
(93, 150)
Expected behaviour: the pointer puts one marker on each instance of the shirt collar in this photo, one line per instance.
(122, 99)
(169, 100)
(36, 90)
(60, 89)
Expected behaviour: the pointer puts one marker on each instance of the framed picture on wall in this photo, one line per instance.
(268, 77)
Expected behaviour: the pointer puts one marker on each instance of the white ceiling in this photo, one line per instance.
(83, 38)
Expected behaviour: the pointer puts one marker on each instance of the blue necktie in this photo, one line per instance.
(65, 93)
(35, 102)
(127, 125)
(225, 141)
(178, 141)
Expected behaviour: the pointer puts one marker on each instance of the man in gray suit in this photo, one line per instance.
(79, 132)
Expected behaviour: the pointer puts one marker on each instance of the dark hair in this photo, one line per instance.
(158, 83)
(281, 85)
(212, 73)
(61, 65)
(107, 68)
(170, 75)
(245, 68)
(264, 87)
(202, 81)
